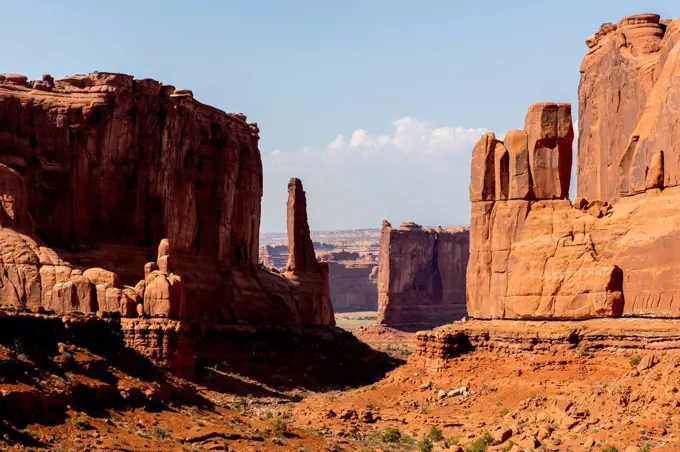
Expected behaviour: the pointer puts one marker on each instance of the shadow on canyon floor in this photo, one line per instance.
(279, 360)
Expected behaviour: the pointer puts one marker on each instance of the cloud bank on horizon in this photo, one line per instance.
(416, 172)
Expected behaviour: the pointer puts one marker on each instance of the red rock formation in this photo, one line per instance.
(421, 275)
(112, 165)
(623, 63)
(314, 304)
(527, 257)
(548, 259)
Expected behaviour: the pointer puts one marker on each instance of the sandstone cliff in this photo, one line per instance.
(624, 65)
(533, 254)
(111, 165)
(421, 276)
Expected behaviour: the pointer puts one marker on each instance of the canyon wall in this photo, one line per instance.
(109, 166)
(535, 255)
(421, 276)
(624, 63)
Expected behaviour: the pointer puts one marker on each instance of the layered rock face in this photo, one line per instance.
(421, 275)
(104, 166)
(624, 65)
(540, 257)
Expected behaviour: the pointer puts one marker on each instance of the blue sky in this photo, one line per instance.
(408, 85)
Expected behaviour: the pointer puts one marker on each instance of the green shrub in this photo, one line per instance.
(160, 432)
(611, 448)
(435, 434)
(634, 361)
(81, 423)
(505, 412)
(481, 444)
(279, 427)
(448, 442)
(425, 445)
(391, 435)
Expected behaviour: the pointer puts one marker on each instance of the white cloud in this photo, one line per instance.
(416, 172)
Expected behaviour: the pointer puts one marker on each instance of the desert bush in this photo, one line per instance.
(81, 423)
(435, 434)
(391, 435)
(279, 427)
(634, 361)
(160, 432)
(481, 444)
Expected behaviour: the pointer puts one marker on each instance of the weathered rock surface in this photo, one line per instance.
(114, 164)
(627, 70)
(303, 268)
(533, 258)
(421, 276)
(544, 258)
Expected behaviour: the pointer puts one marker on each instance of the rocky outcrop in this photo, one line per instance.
(529, 257)
(109, 159)
(303, 268)
(544, 258)
(436, 348)
(624, 64)
(421, 275)
(105, 167)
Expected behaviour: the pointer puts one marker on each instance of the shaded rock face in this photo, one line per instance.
(628, 67)
(104, 166)
(108, 159)
(546, 259)
(314, 304)
(421, 276)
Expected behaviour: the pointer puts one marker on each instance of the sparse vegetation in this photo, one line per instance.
(425, 444)
(634, 361)
(508, 446)
(81, 423)
(367, 317)
(161, 433)
(388, 440)
(610, 448)
(391, 435)
(481, 444)
(505, 412)
(398, 350)
(279, 427)
(435, 434)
